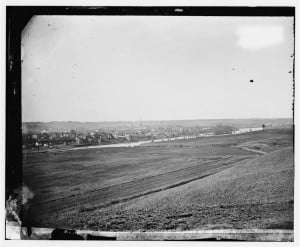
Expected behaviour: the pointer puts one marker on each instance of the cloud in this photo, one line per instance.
(258, 37)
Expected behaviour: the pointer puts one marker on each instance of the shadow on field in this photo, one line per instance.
(289, 225)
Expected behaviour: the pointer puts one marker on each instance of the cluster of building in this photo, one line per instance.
(48, 138)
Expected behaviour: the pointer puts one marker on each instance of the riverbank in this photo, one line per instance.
(64, 148)
(134, 144)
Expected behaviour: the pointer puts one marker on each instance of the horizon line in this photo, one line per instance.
(165, 120)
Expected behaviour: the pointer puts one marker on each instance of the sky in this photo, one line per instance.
(129, 68)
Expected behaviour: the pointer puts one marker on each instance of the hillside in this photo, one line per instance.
(254, 194)
(242, 181)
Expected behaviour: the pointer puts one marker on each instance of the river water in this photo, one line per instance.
(134, 144)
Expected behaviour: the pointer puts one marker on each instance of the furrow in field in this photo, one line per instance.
(123, 192)
(61, 196)
(252, 150)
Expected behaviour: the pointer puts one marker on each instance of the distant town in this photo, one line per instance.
(48, 138)
(40, 136)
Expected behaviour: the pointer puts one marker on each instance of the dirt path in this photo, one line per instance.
(252, 150)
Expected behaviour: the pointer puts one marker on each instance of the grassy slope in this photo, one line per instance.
(77, 173)
(254, 194)
(265, 179)
(243, 196)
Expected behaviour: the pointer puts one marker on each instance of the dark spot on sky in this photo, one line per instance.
(290, 72)
(48, 25)
(251, 81)
(233, 68)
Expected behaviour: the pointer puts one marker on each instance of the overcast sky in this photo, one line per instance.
(115, 68)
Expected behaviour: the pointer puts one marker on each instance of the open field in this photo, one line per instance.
(242, 181)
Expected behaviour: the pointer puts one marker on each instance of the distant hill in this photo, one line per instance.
(87, 126)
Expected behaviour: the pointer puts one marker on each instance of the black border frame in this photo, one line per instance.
(18, 16)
